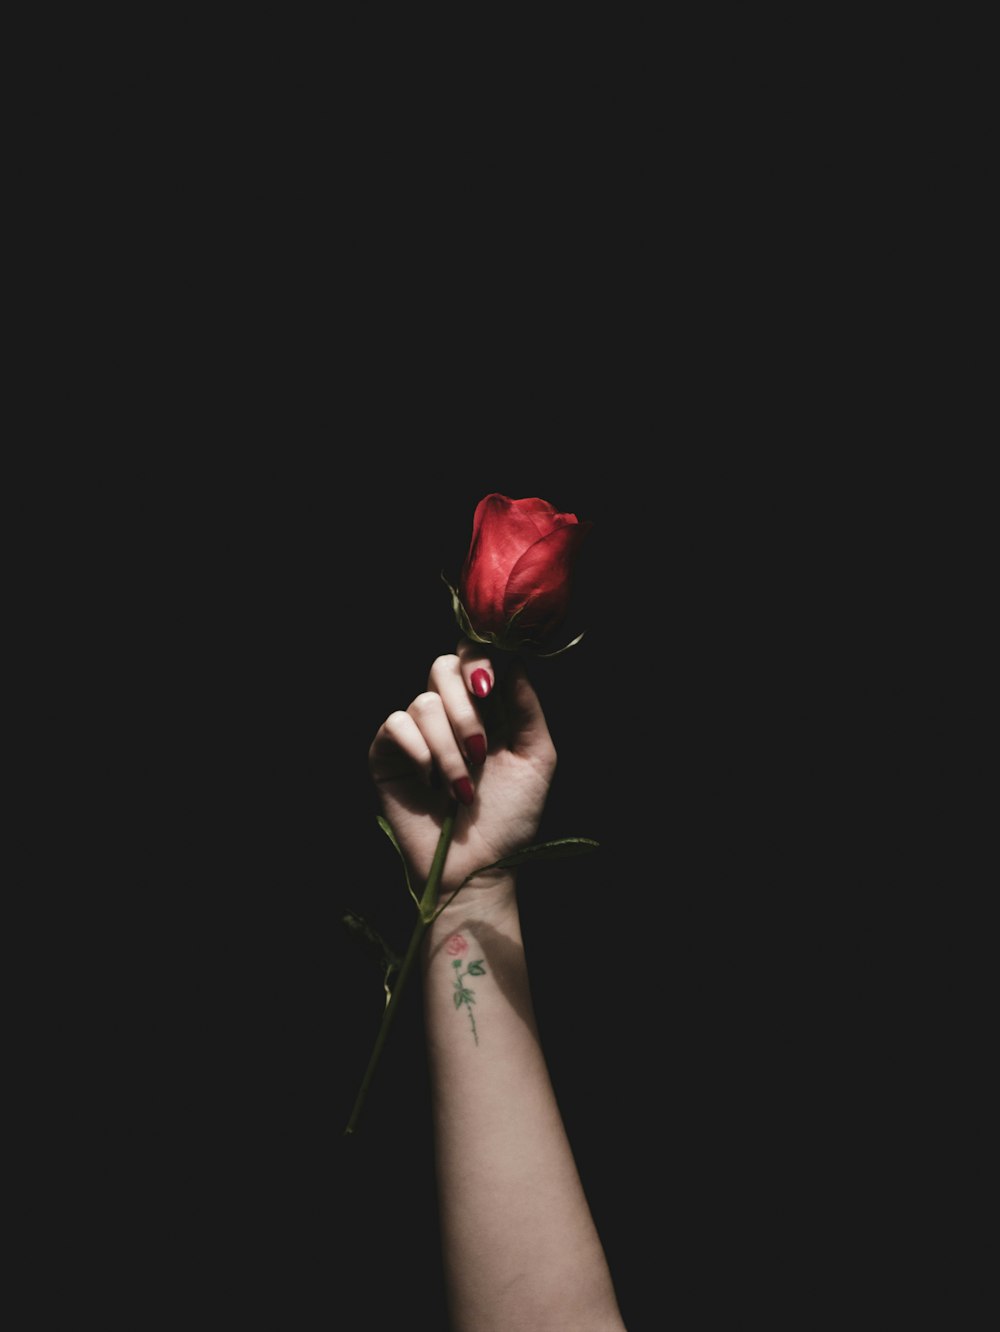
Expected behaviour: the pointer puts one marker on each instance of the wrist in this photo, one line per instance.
(491, 901)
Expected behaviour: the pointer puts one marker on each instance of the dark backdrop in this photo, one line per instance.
(334, 348)
(667, 966)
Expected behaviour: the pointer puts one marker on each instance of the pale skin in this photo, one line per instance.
(521, 1249)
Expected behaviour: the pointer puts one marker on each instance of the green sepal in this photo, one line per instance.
(462, 618)
(509, 640)
(567, 647)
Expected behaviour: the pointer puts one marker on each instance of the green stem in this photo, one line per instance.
(428, 903)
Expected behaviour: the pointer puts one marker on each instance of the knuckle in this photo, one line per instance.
(425, 702)
(444, 665)
(547, 756)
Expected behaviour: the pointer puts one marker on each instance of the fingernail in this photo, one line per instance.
(475, 747)
(481, 683)
(463, 790)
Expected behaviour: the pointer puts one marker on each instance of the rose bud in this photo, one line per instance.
(517, 576)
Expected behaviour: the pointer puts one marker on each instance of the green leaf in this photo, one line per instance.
(376, 947)
(386, 828)
(556, 849)
(477, 969)
(459, 998)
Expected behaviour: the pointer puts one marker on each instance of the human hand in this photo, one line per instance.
(435, 755)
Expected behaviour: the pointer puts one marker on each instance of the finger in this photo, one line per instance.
(428, 711)
(446, 680)
(399, 750)
(477, 669)
(529, 731)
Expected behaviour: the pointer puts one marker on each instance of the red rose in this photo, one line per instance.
(516, 580)
(456, 945)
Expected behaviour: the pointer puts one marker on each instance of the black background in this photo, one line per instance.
(672, 968)
(336, 324)
(324, 404)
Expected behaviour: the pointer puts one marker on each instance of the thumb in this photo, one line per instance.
(528, 732)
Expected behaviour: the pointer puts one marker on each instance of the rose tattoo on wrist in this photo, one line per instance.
(457, 947)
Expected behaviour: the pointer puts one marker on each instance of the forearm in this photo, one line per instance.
(520, 1246)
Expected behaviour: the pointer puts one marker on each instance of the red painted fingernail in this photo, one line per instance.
(475, 747)
(481, 683)
(463, 790)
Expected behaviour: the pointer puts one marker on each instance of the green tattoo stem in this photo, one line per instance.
(428, 905)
